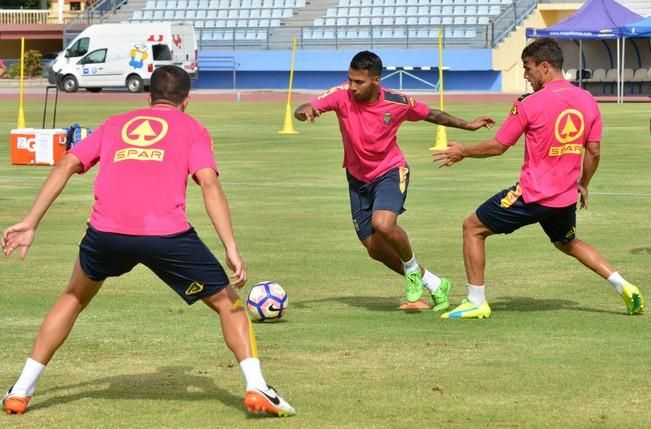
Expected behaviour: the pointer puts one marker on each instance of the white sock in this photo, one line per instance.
(26, 383)
(253, 374)
(431, 281)
(411, 265)
(617, 281)
(476, 294)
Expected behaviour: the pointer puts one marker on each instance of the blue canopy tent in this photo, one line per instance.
(595, 20)
(638, 29)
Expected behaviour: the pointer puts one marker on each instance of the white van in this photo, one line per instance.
(119, 55)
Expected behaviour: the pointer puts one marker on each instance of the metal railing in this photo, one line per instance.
(503, 24)
(93, 14)
(35, 16)
(338, 37)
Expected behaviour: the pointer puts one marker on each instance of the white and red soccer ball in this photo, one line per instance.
(266, 302)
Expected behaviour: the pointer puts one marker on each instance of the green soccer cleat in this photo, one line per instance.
(440, 296)
(414, 286)
(468, 310)
(632, 298)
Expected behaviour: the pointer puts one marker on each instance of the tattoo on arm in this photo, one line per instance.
(443, 118)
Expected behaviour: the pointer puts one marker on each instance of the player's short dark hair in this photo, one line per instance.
(545, 49)
(367, 60)
(169, 84)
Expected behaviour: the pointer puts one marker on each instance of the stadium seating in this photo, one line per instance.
(406, 19)
(222, 20)
(349, 21)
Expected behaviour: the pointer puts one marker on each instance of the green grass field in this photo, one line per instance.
(559, 352)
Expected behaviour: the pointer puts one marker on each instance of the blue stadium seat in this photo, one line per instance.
(137, 14)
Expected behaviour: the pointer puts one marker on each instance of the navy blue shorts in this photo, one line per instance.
(506, 211)
(387, 192)
(181, 260)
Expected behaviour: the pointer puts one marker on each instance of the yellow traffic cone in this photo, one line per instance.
(288, 126)
(441, 138)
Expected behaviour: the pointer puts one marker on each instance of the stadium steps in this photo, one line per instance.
(303, 17)
(126, 11)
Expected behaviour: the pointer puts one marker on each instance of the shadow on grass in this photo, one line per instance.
(371, 303)
(641, 250)
(526, 304)
(503, 303)
(172, 383)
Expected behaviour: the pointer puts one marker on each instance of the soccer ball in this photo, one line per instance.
(267, 302)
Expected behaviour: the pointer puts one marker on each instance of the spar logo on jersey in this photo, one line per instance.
(142, 131)
(569, 128)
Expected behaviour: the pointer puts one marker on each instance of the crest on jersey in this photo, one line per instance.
(387, 118)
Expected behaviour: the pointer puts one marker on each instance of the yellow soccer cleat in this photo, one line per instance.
(632, 298)
(468, 310)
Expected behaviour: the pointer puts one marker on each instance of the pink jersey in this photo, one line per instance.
(369, 130)
(557, 121)
(145, 158)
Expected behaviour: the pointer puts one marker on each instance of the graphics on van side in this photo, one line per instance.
(138, 55)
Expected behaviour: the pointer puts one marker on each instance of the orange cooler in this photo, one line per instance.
(31, 146)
